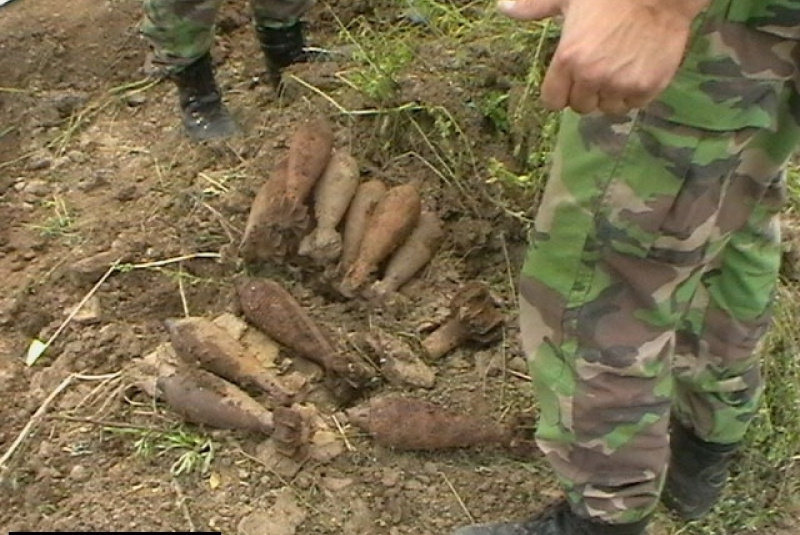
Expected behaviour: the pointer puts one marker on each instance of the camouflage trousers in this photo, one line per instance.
(654, 258)
(181, 31)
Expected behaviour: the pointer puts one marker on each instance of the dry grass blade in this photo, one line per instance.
(182, 291)
(36, 350)
(40, 412)
(458, 498)
(104, 393)
(37, 416)
(340, 429)
(168, 261)
(176, 486)
(108, 424)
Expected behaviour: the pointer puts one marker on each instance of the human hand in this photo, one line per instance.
(613, 55)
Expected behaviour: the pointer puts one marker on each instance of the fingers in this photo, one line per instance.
(529, 9)
(556, 87)
(566, 86)
(559, 91)
(584, 98)
(613, 106)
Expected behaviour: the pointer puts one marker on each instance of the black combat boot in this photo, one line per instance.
(697, 473)
(556, 520)
(283, 47)
(202, 111)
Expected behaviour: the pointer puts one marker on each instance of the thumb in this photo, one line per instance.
(530, 9)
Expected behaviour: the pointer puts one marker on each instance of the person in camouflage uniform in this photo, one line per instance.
(653, 263)
(181, 33)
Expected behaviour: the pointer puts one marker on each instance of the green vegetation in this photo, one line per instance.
(189, 451)
(60, 224)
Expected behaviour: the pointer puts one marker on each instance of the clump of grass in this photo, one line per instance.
(192, 451)
(380, 59)
(494, 107)
(60, 224)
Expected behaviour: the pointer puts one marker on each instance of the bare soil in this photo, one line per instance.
(93, 172)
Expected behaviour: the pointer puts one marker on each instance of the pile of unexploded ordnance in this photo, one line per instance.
(372, 238)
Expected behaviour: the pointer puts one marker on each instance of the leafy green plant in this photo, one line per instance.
(493, 106)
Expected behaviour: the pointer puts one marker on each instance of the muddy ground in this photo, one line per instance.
(95, 169)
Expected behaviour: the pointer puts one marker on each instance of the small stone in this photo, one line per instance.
(431, 468)
(79, 473)
(47, 449)
(36, 187)
(40, 162)
(303, 481)
(88, 271)
(390, 478)
(47, 473)
(77, 156)
(407, 371)
(90, 312)
(6, 182)
(335, 484)
(127, 194)
(135, 99)
(61, 161)
(325, 446)
(399, 363)
(9, 306)
(519, 365)
(68, 102)
(92, 183)
(414, 486)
